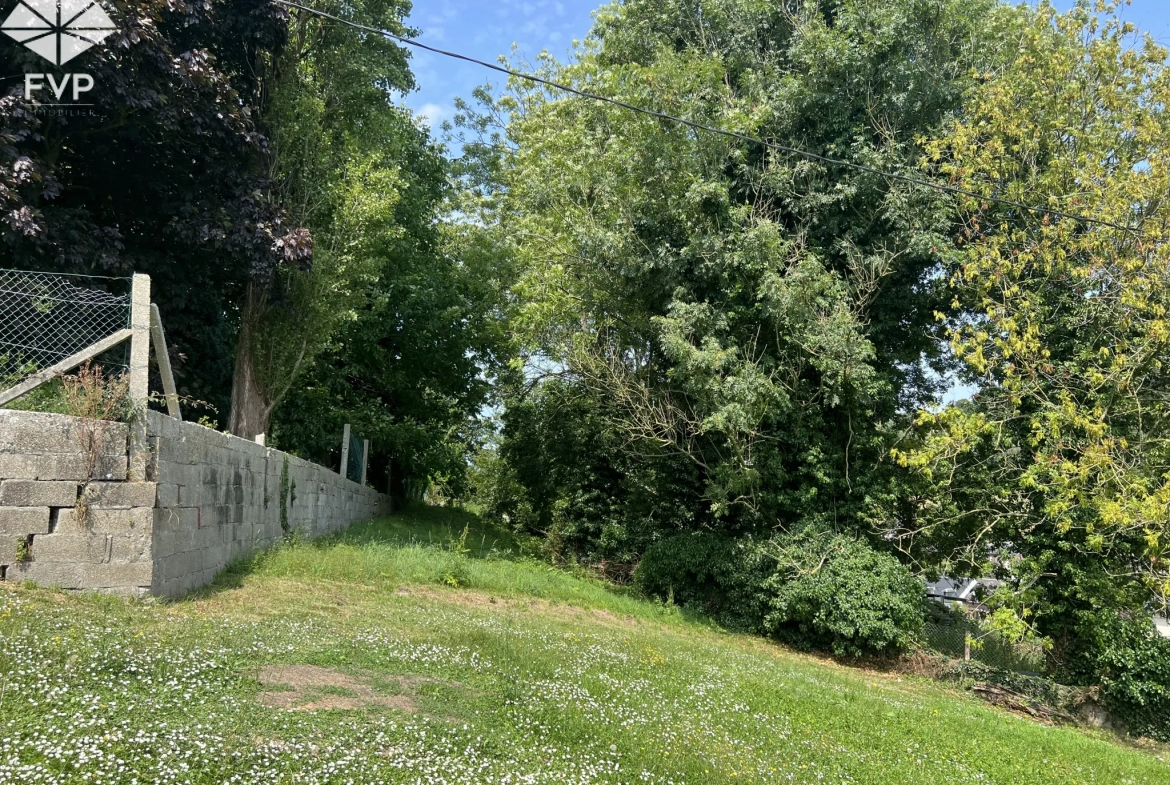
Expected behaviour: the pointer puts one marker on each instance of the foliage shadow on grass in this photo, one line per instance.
(444, 547)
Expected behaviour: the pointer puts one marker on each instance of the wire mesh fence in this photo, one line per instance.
(951, 636)
(46, 317)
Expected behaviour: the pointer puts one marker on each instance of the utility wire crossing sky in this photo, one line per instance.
(487, 30)
(1043, 211)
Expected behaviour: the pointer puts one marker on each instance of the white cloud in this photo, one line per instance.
(433, 114)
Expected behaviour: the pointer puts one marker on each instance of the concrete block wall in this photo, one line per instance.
(220, 498)
(43, 468)
(207, 499)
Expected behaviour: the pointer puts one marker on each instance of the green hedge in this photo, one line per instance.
(813, 589)
(1133, 665)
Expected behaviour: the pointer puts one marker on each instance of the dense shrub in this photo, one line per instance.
(810, 588)
(1132, 664)
(564, 474)
(836, 592)
(708, 572)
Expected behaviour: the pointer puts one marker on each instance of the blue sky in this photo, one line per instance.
(486, 30)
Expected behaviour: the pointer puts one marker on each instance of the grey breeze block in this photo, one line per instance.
(209, 498)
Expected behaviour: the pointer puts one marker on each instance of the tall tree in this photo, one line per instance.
(336, 140)
(167, 175)
(760, 315)
(396, 329)
(1055, 475)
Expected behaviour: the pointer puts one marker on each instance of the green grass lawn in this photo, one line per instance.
(403, 652)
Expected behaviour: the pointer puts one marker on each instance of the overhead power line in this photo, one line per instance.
(1058, 214)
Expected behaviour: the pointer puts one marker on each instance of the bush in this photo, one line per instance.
(836, 592)
(689, 569)
(711, 573)
(811, 589)
(1133, 666)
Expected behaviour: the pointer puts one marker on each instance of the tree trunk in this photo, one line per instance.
(251, 403)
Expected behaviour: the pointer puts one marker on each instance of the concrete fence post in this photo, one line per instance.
(139, 373)
(345, 452)
(365, 458)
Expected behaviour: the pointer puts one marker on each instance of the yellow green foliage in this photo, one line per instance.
(1063, 453)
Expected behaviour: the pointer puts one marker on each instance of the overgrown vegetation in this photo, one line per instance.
(352, 659)
(731, 357)
(706, 366)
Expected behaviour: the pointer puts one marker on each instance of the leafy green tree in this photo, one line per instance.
(761, 316)
(562, 472)
(410, 366)
(337, 142)
(1054, 476)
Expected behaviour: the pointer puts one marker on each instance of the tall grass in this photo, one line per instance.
(442, 547)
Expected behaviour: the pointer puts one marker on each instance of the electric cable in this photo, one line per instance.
(1058, 214)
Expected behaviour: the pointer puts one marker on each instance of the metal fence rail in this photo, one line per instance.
(47, 317)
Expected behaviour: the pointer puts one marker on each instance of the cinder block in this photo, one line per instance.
(177, 587)
(113, 467)
(21, 521)
(167, 495)
(65, 575)
(41, 433)
(178, 452)
(72, 548)
(159, 424)
(120, 495)
(64, 466)
(118, 521)
(130, 548)
(185, 565)
(15, 465)
(174, 519)
(194, 494)
(211, 474)
(207, 537)
(115, 575)
(216, 558)
(37, 493)
(8, 546)
(179, 473)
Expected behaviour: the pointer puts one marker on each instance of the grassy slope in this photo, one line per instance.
(531, 675)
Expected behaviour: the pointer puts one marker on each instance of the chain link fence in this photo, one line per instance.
(46, 317)
(950, 633)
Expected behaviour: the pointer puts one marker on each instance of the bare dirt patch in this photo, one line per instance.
(561, 610)
(311, 687)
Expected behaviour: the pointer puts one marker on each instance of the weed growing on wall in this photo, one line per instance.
(23, 552)
(97, 400)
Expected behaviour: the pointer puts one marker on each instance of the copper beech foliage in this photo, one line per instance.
(166, 172)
